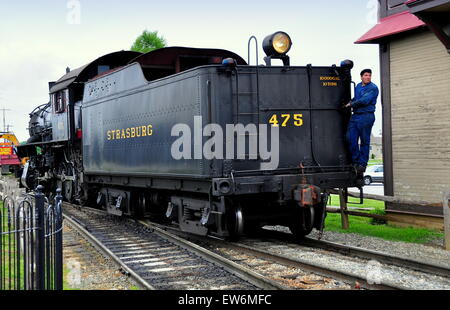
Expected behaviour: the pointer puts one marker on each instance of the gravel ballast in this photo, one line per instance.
(421, 252)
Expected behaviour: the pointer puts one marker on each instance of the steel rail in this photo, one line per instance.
(298, 263)
(390, 259)
(230, 266)
(321, 270)
(382, 257)
(241, 272)
(102, 248)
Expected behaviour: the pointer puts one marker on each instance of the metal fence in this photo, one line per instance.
(31, 255)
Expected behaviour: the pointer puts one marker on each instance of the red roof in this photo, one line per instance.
(391, 25)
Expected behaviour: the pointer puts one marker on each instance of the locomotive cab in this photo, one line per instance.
(54, 146)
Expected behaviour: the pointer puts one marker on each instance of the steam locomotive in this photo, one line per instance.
(197, 138)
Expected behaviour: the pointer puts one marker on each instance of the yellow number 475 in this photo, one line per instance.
(298, 120)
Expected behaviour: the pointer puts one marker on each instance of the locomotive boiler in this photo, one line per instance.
(197, 138)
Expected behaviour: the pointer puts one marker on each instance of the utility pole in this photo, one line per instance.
(4, 118)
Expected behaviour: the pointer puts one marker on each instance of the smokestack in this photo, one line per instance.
(67, 70)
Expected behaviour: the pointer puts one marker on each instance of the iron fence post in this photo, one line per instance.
(59, 241)
(40, 253)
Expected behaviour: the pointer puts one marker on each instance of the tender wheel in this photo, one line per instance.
(302, 222)
(88, 197)
(235, 222)
(139, 209)
(367, 180)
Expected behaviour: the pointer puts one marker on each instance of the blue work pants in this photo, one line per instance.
(360, 128)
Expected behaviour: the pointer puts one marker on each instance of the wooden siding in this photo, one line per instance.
(420, 105)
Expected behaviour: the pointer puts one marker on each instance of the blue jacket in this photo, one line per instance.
(365, 98)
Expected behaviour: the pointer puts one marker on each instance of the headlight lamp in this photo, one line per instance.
(277, 44)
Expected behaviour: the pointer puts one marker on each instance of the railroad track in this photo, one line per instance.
(229, 255)
(385, 258)
(280, 247)
(385, 269)
(155, 259)
(352, 279)
(347, 250)
(268, 281)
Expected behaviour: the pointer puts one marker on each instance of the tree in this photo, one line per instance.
(148, 41)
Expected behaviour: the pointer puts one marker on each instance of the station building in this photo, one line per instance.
(414, 41)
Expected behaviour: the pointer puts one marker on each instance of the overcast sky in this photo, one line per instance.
(39, 39)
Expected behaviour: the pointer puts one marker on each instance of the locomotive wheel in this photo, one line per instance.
(303, 222)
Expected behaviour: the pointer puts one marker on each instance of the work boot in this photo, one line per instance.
(360, 170)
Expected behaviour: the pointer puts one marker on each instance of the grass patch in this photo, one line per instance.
(368, 203)
(376, 228)
(363, 226)
(8, 253)
(66, 285)
(375, 162)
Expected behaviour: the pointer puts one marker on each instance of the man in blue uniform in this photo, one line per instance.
(362, 120)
